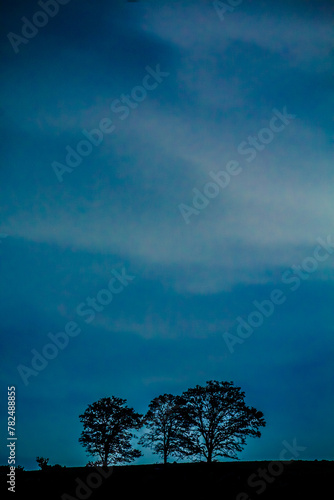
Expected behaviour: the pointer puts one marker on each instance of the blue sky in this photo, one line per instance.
(260, 79)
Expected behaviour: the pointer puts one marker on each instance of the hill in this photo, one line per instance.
(231, 480)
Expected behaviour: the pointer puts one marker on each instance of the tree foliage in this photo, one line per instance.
(165, 427)
(203, 423)
(218, 420)
(107, 430)
(43, 462)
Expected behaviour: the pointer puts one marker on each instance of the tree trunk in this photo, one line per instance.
(209, 457)
(105, 460)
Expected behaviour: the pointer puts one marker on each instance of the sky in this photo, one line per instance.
(166, 214)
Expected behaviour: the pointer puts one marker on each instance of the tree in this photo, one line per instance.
(219, 420)
(43, 462)
(165, 427)
(107, 425)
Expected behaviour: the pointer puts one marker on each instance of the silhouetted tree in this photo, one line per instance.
(219, 420)
(165, 427)
(107, 424)
(43, 462)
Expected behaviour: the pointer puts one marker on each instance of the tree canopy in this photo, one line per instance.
(205, 422)
(218, 420)
(165, 426)
(107, 430)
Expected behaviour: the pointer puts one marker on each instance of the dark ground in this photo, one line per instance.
(224, 480)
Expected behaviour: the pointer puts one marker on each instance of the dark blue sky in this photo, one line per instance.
(201, 201)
